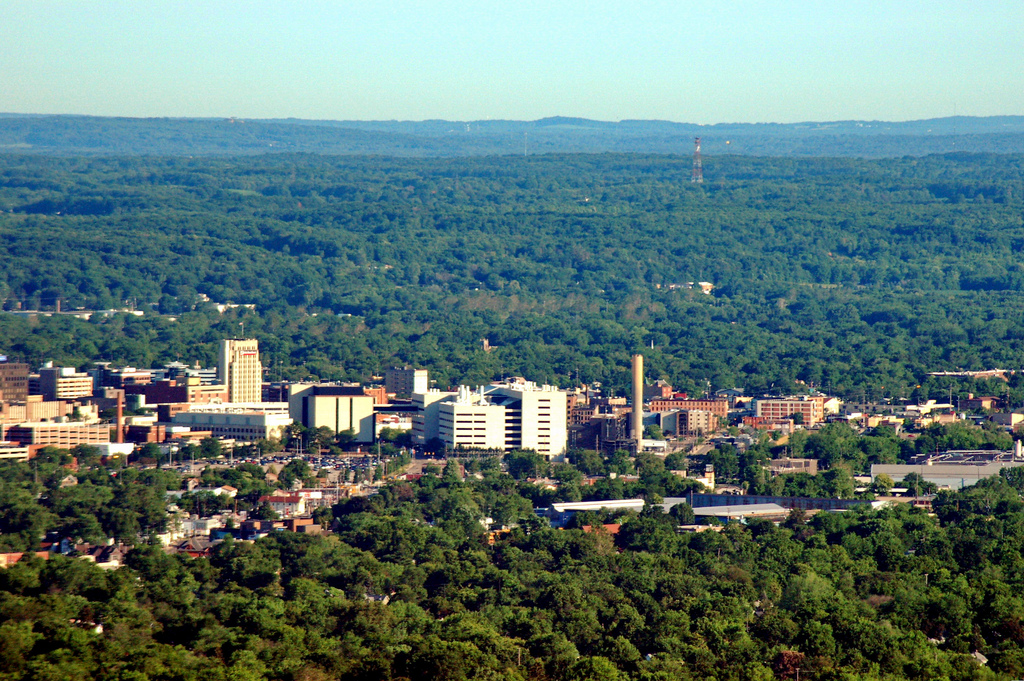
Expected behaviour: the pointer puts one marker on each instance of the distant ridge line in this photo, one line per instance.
(73, 134)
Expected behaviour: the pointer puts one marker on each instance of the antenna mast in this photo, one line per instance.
(698, 168)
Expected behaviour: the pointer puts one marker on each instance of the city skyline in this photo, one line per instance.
(729, 62)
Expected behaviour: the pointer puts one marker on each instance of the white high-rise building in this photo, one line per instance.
(542, 415)
(471, 420)
(425, 420)
(240, 369)
(504, 416)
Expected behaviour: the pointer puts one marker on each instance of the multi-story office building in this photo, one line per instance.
(240, 369)
(472, 420)
(582, 414)
(63, 383)
(177, 370)
(62, 435)
(379, 394)
(604, 432)
(238, 425)
(688, 422)
(405, 382)
(719, 408)
(425, 419)
(13, 382)
(810, 408)
(535, 417)
(504, 416)
(33, 408)
(338, 407)
(12, 451)
(181, 390)
(105, 375)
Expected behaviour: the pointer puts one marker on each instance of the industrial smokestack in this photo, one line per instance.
(120, 416)
(638, 401)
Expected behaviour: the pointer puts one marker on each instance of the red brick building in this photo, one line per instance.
(719, 408)
(148, 433)
(810, 409)
(179, 390)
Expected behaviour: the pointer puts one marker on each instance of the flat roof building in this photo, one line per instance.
(789, 466)
(811, 409)
(181, 390)
(404, 382)
(688, 422)
(559, 514)
(472, 421)
(338, 407)
(13, 381)
(34, 409)
(64, 383)
(61, 435)
(238, 425)
(106, 376)
(954, 469)
(502, 416)
(540, 417)
(13, 451)
(426, 419)
(770, 511)
(719, 408)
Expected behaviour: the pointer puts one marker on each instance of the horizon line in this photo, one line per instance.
(15, 114)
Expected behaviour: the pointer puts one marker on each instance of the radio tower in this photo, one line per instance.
(698, 169)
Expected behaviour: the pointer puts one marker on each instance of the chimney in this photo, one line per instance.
(120, 417)
(638, 401)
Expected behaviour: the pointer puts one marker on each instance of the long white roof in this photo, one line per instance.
(636, 504)
(740, 511)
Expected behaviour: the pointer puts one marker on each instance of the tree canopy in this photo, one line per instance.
(853, 275)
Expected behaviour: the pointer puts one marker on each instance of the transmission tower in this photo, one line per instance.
(698, 168)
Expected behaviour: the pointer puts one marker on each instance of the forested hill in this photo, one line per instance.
(860, 276)
(195, 136)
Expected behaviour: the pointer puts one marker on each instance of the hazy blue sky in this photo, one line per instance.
(708, 62)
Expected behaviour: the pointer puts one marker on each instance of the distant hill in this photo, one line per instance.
(68, 135)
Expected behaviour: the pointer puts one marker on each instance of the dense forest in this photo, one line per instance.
(854, 275)
(64, 134)
(410, 586)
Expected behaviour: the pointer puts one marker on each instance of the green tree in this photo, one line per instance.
(150, 452)
(653, 432)
(586, 461)
(882, 484)
(210, 448)
(526, 464)
(682, 513)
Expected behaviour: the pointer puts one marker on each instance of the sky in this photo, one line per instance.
(717, 61)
